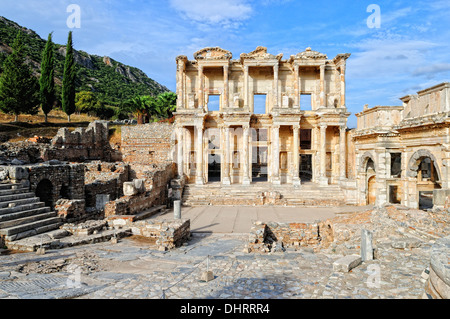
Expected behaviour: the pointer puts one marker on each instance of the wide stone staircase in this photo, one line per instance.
(22, 214)
(309, 194)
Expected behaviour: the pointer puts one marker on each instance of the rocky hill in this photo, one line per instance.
(112, 81)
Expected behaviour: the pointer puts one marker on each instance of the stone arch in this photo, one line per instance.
(414, 161)
(44, 190)
(364, 161)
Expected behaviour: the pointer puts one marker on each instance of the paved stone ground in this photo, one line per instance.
(132, 270)
(227, 219)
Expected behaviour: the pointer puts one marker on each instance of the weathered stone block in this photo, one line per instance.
(347, 263)
(129, 189)
(17, 173)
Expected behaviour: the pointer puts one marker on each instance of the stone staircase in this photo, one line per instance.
(309, 194)
(22, 214)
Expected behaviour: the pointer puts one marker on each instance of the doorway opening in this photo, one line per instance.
(306, 172)
(44, 191)
(214, 168)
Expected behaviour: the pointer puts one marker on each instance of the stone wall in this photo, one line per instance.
(272, 236)
(26, 152)
(166, 234)
(71, 210)
(105, 179)
(157, 179)
(67, 180)
(81, 144)
(148, 144)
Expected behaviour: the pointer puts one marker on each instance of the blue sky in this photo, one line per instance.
(409, 52)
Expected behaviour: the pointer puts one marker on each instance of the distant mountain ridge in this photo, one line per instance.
(112, 81)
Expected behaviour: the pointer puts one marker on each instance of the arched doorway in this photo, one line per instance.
(371, 179)
(423, 166)
(44, 190)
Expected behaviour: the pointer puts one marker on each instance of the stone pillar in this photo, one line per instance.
(295, 174)
(226, 157)
(342, 152)
(177, 209)
(180, 84)
(382, 195)
(246, 93)
(199, 159)
(343, 86)
(323, 179)
(226, 91)
(296, 86)
(323, 102)
(180, 153)
(246, 178)
(201, 97)
(275, 83)
(276, 155)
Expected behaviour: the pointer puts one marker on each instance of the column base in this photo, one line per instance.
(199, 181)
(276, 181)
(246, 181)
(323, 181)
(226, 181)
(296, 182)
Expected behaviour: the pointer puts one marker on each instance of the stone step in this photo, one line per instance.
(149, 212)
(25, 217)
(9, 198)
(6, 186)
(12, 191)
(34, 231)
(29, 227)
(20, 202)
(20, 208)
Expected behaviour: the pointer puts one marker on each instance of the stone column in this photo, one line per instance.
(180, 84)
(246, 88)
(246, 178)
(296, 87)
(226, 91)
(323, 180)
(323, 102)
(180, 161)
(275, 83)
(199, 159)
(226, 157)
(343, 86)
(296, 178)
(342, 152)
(276, 155)
(201, 97)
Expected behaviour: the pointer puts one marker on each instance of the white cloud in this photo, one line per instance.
(222, 12)
(385, 58)
(432, 70)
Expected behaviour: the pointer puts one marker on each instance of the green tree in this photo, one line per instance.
(85, 102)
(19, 89)
(166, 105)
(140, 106)
(47, 82)
(68, 87)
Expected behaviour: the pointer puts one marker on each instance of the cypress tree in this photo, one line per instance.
(68, 86)
(47, 82)
(19, 89)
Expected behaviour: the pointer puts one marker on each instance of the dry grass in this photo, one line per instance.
(29, 126)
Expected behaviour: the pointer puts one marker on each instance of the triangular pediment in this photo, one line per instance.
(211, 53)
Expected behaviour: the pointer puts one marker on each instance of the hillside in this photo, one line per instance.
(112, 81)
